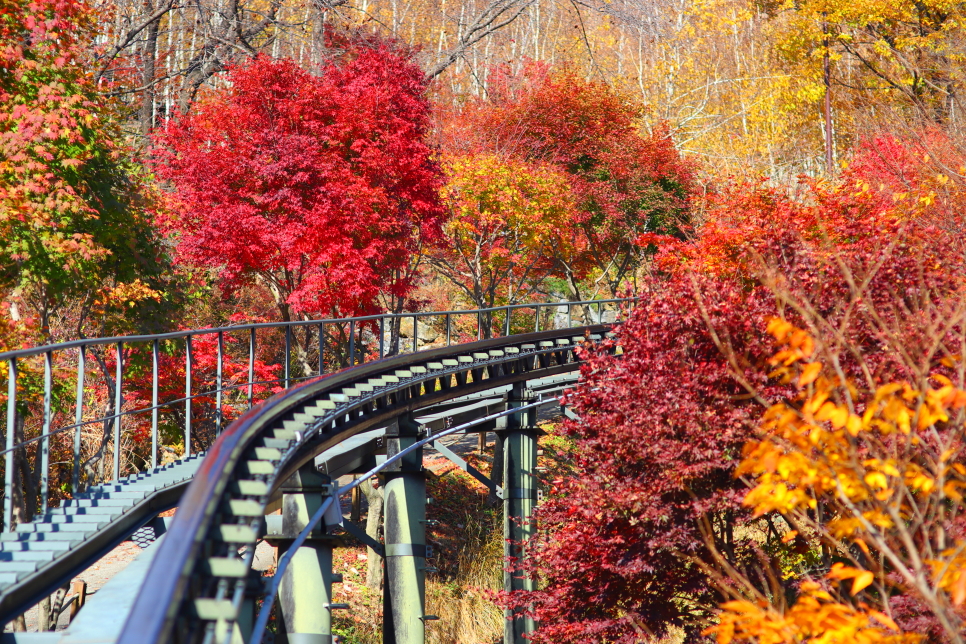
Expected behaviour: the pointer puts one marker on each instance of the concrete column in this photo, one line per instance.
(519, 500)
(305, 594)
(404, 591)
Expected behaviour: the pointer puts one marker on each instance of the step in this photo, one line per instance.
(19, 547)
(32, 555)
(39, 535)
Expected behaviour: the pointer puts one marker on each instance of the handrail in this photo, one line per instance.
(174, 335)
(115, 408)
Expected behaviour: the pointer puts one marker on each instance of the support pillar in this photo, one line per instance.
(404, 591)
(519, 500)
(305, 594)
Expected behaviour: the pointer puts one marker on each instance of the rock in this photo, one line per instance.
(425, 330)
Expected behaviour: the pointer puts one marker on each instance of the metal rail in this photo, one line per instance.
(198, 583)
(336, 343)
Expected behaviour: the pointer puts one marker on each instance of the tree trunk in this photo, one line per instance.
(374, 497)
(146, 114)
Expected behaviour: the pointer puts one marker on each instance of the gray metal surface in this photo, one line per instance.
(43, 555)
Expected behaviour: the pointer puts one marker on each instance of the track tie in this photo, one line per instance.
(268, 454)
(419, 370)
(464, 359)
(226, 567)
(256, 468)
(245, 508)
(403, 373)
(284, 433)
(435, 366)
(496, 353)
(512, 350)
(215, 609)
(232, 533)
(450, 363)
(481, 356)
(277, 443)
(250, 488)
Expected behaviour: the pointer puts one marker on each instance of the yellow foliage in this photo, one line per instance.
(815, 618)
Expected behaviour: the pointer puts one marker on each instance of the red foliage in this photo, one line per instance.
(623, 549)
(317, 186)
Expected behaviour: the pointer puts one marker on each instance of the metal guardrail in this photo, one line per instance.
(50, 399)
(197, 582)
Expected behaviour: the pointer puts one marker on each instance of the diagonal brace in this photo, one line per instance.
(361, 535)
(469, 469)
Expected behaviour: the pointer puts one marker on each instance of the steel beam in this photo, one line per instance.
(404, 593)
(519, 500)
(305, 594)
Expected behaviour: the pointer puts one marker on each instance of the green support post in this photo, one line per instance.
(305, 594)
(519, 500)
(404, 591)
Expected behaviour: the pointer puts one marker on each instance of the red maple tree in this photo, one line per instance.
(651, 535)
(317, 186)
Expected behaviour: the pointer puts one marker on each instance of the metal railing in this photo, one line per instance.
(40, 379)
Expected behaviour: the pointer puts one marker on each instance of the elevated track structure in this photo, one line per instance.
(196, 583)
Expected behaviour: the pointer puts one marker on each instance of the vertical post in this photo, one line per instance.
(187, 396)
(352, 343)
(506, 324)
(251, 367)
(404, 594)
(536, 326)
(321, 348)
(118, 403)
(449, 329)
(305, 594)
(44, 446)
(479, 325)
(570, 315)
(218, 381)
(288, 354)
(519, 500)
(9, 464)
(155, 358)
(415, 333)
(78, 418)
(382, 337)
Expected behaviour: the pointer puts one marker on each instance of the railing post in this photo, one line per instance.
(288, 355)
(218, 382)
(352, 343)
(506, 325)
(536, 326)
(519, 500)
(415, 333)
(305, 593)
(382, 337)
(187, 394)
(78, 418)
(118, 404)
(321, 348)
(251, 367)
(404, 593)
(155, 358)
(449, 329)
(44, 446)
(10, 461)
